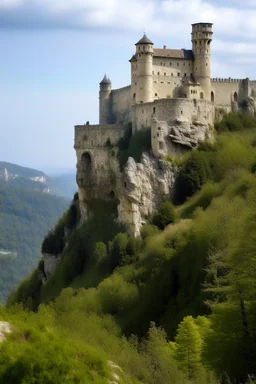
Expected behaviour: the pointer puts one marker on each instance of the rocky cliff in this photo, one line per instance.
(143, 186)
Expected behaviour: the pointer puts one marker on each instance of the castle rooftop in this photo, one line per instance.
(174, 53)
(202, 23)
(144, 40)
(134, 58)
(105, 80)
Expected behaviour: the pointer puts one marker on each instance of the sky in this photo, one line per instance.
(54, 53)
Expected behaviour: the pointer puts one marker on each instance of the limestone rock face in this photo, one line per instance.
(4, 329)
(178, 136)
(141, 188)
(50, 262)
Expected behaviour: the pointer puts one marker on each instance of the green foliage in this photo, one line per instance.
(165, 215)
(188, 347)
(78, 256)
(193, 174)
(235, 122)
(134, 144)
(118, 250)
(148, 230)
(233, 153)
(202, 199)
(36, 352)
(99, 252)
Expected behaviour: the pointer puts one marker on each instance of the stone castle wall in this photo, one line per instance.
(170, 110)
(120, 104)
(166, 86)
(226, 91)
(91, 136)
(97, 165)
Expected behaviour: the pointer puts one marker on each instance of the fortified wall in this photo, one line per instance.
(121, 105)
(171, 110)
(97, 165)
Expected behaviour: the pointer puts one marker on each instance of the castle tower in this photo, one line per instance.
(104, 97)
(134, 77)
(201, 38)
(143, 78)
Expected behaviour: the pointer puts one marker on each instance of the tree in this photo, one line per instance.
(164, 216)
(189, 347)
(192, 175)
(100, 252)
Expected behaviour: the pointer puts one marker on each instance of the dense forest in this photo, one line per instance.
(174, 306)
(25, 217)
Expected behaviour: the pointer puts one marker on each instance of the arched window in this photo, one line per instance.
(201, 95)
(134, 96)
(155, 94)
(86, 168)
(86, 161)
(212, 96)
(235, 96)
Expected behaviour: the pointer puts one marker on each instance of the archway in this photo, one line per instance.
(235, 96)
(86, 161)
(212, 96)
(86, 168)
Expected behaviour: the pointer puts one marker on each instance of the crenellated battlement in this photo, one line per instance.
(225, 80)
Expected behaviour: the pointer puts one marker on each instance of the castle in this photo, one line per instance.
(172, 92)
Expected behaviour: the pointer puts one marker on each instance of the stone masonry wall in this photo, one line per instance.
(97, 164)
(120, 102)
(170, 110)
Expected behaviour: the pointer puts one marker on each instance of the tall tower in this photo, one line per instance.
(201, 38)
(104, 97)
(144, 56)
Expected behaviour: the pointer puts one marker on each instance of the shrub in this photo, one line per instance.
(100, 252)
(233, 153)
(192, 175)
(118, 250)
(235, 122)
(148, 230)
(164, 216)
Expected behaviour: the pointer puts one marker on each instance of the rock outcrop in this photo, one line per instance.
(4, 329)
(178, 136)
(50, 263)
(142, 187)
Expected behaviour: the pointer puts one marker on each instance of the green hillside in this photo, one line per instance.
(174, 306)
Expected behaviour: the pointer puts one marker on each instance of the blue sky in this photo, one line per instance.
(55, 52)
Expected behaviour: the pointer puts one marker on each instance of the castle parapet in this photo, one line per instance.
(97, 136)
(225, 80)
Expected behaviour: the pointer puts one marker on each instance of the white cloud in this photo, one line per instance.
(234, 28)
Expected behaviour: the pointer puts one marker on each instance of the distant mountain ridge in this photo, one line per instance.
(33, 179)
(30, 204)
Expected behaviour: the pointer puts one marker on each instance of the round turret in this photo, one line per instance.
(201, 38)
(142, 64)
(104, 95)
